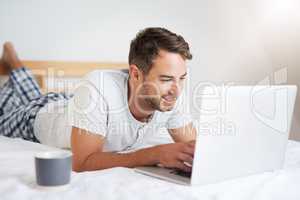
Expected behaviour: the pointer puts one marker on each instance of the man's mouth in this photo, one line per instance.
(169, 99)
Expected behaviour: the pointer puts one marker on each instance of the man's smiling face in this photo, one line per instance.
(162, 85)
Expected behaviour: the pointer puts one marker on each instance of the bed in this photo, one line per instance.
(17, 176)
(17, 180)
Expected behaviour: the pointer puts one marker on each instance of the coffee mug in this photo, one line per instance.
(53, 168)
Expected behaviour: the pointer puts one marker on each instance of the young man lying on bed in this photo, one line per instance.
(111, 112)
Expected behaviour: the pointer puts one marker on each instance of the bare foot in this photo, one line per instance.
(10, 58)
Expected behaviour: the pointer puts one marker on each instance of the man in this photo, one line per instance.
(111, 112)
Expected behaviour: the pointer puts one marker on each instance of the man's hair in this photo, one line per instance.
(145, 47)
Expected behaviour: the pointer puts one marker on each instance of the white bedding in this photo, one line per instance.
(17, 181)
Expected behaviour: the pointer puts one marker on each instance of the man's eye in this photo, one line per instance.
(166, 80)
(182, 78)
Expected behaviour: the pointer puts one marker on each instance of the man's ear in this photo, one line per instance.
(134, 72)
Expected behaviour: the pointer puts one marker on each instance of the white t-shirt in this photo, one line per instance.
(100, 106)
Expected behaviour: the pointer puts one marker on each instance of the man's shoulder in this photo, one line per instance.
(110, 84)
(107, 79)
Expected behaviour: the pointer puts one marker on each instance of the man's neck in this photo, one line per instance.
(139, 110)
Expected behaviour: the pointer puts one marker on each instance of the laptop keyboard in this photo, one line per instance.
(181, 173)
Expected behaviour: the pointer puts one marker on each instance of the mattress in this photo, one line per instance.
(17, 180)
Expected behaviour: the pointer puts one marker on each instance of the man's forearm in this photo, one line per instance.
(104, 160)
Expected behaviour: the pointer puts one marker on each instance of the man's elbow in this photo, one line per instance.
(77, 166)
(77, 169)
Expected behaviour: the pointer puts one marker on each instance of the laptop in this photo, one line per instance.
(242, 130)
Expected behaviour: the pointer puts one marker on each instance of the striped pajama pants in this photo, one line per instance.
(20, 101)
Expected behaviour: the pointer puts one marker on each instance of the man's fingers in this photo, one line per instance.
(185, 158)
(183, 167)
(189, 150)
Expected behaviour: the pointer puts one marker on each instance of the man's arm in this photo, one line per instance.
(88, 155)
(184, 134)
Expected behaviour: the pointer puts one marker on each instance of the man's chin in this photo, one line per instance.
(165, 108)
(162, 106)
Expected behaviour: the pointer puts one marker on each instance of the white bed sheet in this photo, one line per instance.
(17, 181)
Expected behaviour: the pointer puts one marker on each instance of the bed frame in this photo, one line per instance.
(66, 70)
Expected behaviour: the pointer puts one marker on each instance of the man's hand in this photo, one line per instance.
(175, 155)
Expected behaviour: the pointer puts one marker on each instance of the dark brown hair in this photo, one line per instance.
(144, 48)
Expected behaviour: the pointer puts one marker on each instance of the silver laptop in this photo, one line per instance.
(242, 130)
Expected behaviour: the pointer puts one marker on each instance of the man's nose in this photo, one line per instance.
(175, 89)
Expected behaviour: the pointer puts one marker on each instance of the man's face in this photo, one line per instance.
(162, 85)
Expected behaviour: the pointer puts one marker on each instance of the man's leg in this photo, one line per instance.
(16, 95)
(19, 122)
(21, 87)
(20, 98)
(22, 80)
(16, 112)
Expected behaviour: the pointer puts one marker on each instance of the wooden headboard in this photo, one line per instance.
(66, 70)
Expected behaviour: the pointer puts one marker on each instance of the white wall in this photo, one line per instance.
(240, 41)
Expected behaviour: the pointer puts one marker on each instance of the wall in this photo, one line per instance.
(240, 41)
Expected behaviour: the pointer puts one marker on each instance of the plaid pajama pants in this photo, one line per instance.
(20, 101)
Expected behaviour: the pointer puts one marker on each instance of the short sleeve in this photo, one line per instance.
(179, 116)
(88, 108)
